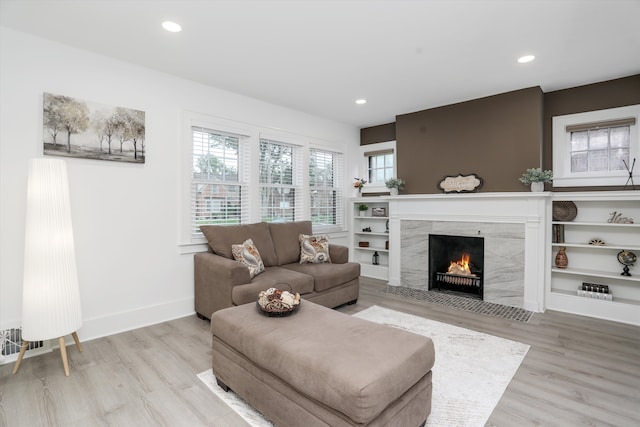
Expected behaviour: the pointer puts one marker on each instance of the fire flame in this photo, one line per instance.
(461, 266)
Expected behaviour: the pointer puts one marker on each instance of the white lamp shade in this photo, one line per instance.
(51, 295)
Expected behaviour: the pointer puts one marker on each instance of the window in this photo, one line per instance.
(379, 166)
(325, 178)
(279, 182)
(216, 187)
(595, 148)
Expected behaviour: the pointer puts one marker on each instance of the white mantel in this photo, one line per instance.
(531, 210)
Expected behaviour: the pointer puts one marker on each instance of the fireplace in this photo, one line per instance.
(456, 264)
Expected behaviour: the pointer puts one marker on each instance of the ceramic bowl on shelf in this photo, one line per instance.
(564, 211)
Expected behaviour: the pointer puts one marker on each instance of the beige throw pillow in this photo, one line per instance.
(314, 249)
(248, 254)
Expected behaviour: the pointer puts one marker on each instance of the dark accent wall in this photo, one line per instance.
(380, 133)
(496, 137)
(597, 96)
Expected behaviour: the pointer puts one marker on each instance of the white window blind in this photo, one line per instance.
(280, 181)
(325, 183)
(218, 186)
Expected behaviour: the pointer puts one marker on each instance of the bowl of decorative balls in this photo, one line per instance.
(278, 303)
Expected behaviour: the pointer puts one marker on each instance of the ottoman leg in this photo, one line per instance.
(222, 385)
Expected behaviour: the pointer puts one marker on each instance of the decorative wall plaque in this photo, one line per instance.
(460, 184)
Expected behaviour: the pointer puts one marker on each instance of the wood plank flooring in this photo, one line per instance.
(579, 371)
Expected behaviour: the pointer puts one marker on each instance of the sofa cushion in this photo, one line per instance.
(327, 276)
(314, 249)
(248, 254)
(285, 240)
(222, 237)
(272, 277)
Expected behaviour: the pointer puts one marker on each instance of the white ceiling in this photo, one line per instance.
(320, 56)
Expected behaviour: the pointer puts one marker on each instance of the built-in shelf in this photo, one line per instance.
(377, 238)
(595, 273)
(597, 264)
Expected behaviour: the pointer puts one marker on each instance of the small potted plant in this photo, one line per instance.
(536, 177)
(394, 184)
(363, 209)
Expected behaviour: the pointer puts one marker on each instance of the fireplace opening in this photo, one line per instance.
(456, 264)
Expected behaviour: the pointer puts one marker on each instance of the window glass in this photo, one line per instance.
(277, 189)
(600, 150)
(325, 171)
(215, 187)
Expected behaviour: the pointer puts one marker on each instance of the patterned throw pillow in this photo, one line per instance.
(314, 249)
(248, 254)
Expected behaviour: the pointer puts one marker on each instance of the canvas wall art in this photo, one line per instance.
(76, 128)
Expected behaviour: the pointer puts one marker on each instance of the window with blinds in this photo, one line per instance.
(600, 146)
(325, 178)
(595, 148)
(218, 194)
(279, 182)
(379, 166)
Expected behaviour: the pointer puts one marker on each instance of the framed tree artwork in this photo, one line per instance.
(76, 128)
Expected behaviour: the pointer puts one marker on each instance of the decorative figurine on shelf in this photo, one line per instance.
(376, 258)
(630, 171)
(561, 258)
(626, 258)
(366, 229)
(617, 218)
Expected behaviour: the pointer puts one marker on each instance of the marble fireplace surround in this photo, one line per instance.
(514, 226)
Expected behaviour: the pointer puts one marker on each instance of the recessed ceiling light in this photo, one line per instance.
(361, 101)
(171, 26)
(526, 58)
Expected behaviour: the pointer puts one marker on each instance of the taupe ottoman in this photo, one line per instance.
(320, 367)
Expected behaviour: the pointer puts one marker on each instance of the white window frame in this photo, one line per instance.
(364, 166)
(562, 175)
(338, 179)
(194, 241)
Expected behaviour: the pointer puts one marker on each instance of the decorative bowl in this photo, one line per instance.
(277, 303)
(564, 211)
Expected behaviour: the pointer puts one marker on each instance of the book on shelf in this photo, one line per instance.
(595, 295)
(593, 287)
(557, 233)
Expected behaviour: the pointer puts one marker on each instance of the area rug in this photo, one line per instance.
(471, 372)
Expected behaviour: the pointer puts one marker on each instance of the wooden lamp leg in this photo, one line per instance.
(63, 353)
(25, 344)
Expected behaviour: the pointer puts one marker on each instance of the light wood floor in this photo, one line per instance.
(579, 371)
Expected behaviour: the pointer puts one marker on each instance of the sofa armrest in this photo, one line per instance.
(339, 254)
(214, 278)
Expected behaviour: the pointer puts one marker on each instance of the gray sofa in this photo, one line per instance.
(221, 281)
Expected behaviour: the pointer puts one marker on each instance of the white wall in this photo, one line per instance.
(125, 216)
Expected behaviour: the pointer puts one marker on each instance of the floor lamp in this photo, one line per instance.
(51, 295)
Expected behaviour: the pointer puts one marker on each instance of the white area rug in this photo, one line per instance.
(471, 372)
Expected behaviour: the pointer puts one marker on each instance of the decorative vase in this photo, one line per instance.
(363, 213)
(537, 187)
(561, 258)
(393, 191)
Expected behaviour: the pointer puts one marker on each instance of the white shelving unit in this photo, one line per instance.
(597, 264)
(377, 238)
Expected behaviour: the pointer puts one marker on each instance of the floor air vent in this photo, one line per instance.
(11, 341)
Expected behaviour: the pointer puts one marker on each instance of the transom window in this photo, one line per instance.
(325, 176)
(595, 148)
(216, 189)
(380, 166)
(600, 148)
